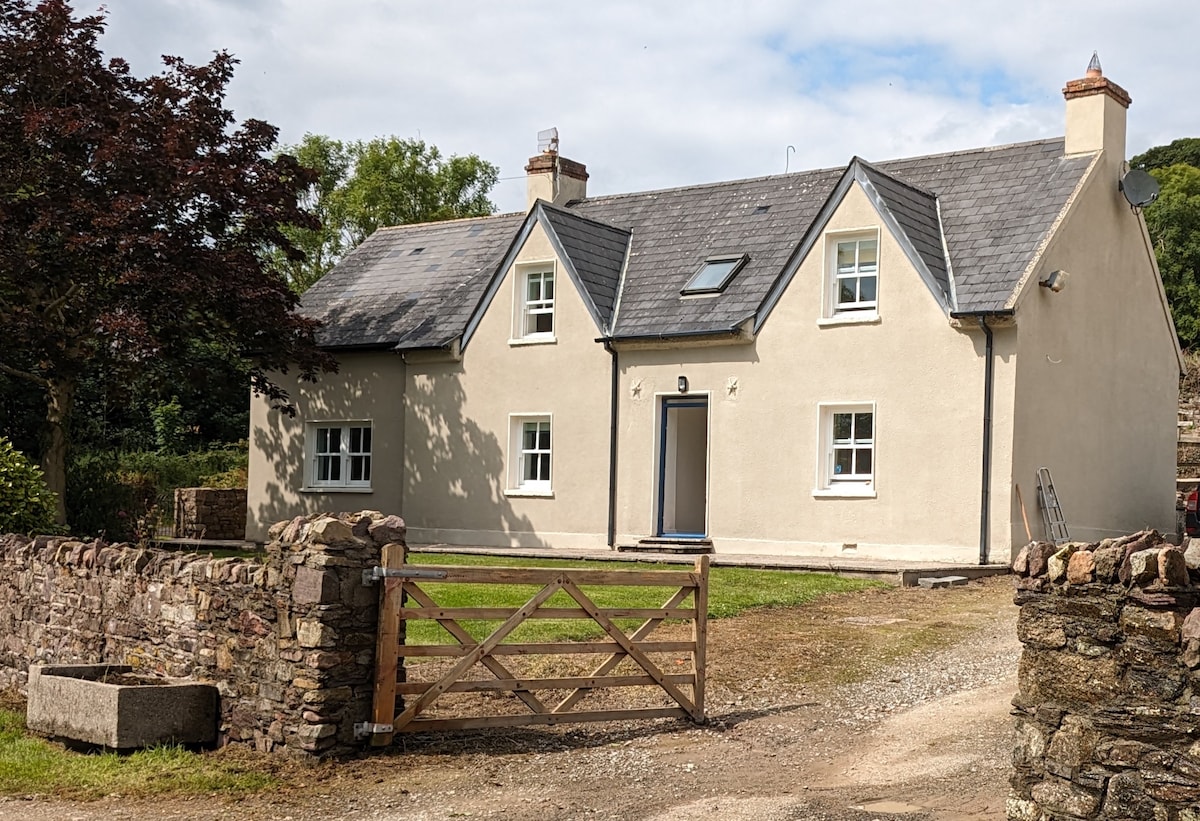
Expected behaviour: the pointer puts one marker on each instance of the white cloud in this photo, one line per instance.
(655, 94)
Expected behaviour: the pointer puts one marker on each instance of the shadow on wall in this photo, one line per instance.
(455, 473)
(278, 472)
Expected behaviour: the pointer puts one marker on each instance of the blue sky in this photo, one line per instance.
(656, 94)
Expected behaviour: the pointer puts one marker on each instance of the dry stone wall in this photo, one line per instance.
(289, 640)
(210, 513)
(1108, 708)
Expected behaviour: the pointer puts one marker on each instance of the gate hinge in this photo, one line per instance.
(366, 729)
(374, 574)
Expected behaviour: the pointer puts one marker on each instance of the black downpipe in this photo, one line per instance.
(989, 377)
(612, 451)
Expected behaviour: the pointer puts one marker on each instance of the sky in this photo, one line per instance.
(651, 94)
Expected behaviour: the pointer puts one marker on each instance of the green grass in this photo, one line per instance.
(731, 591)
(31, 765)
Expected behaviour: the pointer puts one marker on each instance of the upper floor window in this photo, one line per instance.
(537, 310)
(340, 455)
(854, 274)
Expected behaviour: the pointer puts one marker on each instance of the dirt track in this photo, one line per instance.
(877, 705)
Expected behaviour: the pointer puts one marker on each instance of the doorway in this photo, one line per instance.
(683, 468)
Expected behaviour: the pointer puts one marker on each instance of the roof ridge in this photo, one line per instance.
(822, 170)
(455, 221)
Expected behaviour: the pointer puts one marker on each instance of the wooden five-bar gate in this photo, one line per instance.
(403, 599)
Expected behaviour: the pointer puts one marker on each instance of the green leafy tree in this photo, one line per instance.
(1173, 221)
(133, 216)
(363, 186)
(25, 503)
(1185, 150)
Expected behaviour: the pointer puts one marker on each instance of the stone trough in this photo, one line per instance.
(78, 702)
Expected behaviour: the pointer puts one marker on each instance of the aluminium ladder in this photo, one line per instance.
(1052, 515)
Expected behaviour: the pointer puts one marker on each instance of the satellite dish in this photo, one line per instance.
(1139, 188)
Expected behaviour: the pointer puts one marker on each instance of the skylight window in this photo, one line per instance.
(714, 275)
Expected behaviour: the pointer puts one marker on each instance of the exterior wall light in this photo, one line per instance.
(1055, 281)
(683, 384)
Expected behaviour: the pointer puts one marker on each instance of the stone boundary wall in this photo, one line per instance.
(1108, 708)
(210, 513)
(288, 640)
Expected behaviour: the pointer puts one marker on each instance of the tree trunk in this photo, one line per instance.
(60, 398)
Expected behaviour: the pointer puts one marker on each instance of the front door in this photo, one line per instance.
(683, 467)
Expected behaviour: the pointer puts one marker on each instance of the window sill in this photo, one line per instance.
(523, 492)
(335, 489)
(850, 318)
(533, 340)
(845, 492)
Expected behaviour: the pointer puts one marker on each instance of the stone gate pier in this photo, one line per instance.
(1108, 708)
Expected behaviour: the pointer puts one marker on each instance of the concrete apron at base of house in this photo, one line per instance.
(897, 572)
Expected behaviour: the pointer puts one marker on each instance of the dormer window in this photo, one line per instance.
(851, 279)
(539, 304)
(856, 274)
(714, 275)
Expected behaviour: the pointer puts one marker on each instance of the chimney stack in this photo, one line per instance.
(1096, 108)
(551, 177)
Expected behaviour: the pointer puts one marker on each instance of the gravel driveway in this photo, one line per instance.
(886, 704)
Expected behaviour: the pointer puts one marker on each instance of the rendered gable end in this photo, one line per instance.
(460, 449)
(1097, 373)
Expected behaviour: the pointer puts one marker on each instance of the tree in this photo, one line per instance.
(1173, 222)
(1184, 150)
(363, 186)
(133, 216)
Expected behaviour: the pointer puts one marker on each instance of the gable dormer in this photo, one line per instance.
(553, 249)
(909, 213)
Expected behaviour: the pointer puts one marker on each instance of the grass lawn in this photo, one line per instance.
(731, 590)
(31, 765)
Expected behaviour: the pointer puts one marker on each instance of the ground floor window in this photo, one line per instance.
(530, 453)
(340, 455)
(847, 447)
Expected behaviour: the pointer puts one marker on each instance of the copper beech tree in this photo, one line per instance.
(135, 215)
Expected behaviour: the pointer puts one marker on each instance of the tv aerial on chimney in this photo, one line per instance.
(548, 141)
(1139, 188)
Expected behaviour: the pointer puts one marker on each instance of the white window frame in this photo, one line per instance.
(519, 455)
(525, 308)
(862, 311)
(829, 481)
(344, 457)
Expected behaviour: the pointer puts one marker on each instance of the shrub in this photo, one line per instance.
(111, 492)
(26, 505)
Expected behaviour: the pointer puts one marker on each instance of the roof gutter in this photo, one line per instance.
(724, 332)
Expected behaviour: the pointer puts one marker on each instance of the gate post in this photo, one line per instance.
(700, 636)
(387, 644)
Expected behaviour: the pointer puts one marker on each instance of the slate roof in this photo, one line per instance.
(994, 207)
(597, 253)
(387, 293)
(916, 210)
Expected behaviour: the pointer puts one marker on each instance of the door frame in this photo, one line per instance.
(665, 403)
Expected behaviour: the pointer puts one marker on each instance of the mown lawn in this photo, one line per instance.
(731, 591)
